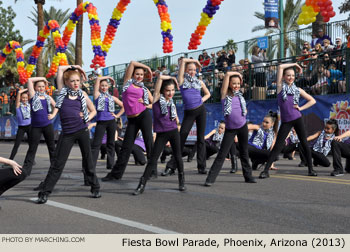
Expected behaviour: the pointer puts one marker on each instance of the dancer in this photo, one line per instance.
(23, 119)
(76, 109)
(322, 146)
(288, 100)
(136, 99)
(339, 150)
(105, 118)
(194, 110)
(165, 125)
(235, 111)
(262, 139)
(291, 146)
(10, 177)
(41, 106)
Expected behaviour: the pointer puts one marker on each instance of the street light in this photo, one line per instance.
(280, 5)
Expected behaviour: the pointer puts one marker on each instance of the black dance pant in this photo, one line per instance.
(213, 149)
(339, 150)
(288, 149)
(136, 151)
(34, 140)
(19, 137)
(258, 156)
(283, 132)
(161, 140)
(101, 127)
(227, 141)
(319, 158)
(62, 152)
(142, 122)
(8, 179)
(200, 116)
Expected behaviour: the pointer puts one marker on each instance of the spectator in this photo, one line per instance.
(327, 47)
(322, 37)
(221, 58)
(336, 81)
(258, 58)
(339, 46)
(327, 61)
(321, 86)
(307, 46)
(231, 57)
(225, 67)
(206, 59)
(313, 40)
(302, 60)
(340, 64)
(318, 48)
(212, 59)
(164, 70)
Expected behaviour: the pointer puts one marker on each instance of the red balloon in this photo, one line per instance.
(326, 19)
(324, 13)
(332, 14)
(329, 8)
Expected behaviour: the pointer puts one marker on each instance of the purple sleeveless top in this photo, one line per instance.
(39, 118)
(104, 115)
(235, 120)
(162, 123)
(71, 121)
(287, 110)
(20, 120)
(130, 101)
(191, 98)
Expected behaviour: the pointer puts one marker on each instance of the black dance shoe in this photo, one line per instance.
(249, 179)
(208, 184)
(109, 177)
(312, 173)
(42, 198)
(141, 187)
(39, 187)
(168, 172)
(96, 194)
(202, 171)
(264, 175)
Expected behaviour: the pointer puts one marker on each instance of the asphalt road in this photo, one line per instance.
(288, 202)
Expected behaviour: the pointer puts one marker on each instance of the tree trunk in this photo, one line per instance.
(318, 24)
(79, 40)
(39, 64)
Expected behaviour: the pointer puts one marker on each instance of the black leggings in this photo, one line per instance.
(228, 140)
(161, 140)
(8, 179)
(101, 127)
(319, 158)
(19, 137)
(258, 156)
(283, 132)
(339, 150)
(142, 122)
(136, 151)
(200, 116)
(34, 140)
(64, 146)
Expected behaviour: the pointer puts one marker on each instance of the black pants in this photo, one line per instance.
(258, 156)
(166, 152)
(62, 152)
(34, 140)
(283, 132)
(213, 149)
(101, 127)
(19, 137)
(8, 179)
(200, 116)
(319, 158)
(142, 122)
(339, 150)
(136, 151)
(161, 140)
(227, 141)
(288, 149)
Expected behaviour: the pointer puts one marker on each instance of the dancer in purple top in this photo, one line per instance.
(165, 125)
(137, 99)
(23, 119)
(105, 118)
(41, 107)
(76, 110)
(288, 101)
(194, 110)
(235, 111)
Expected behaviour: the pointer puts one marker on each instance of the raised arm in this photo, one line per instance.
(183, 62)
(131, 67)
(62, 69)
(97, 84)
(161, 78)
(280, 70)
(18, 97)
(31, 81)
(226, 81)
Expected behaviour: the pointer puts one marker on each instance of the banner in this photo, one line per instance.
(271, 13)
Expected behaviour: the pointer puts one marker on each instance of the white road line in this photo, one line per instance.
(111, 218)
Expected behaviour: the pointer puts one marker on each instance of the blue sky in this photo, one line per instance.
(138, 36)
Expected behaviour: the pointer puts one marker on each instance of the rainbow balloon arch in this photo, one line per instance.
(100, 47)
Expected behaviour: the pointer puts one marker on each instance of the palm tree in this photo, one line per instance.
(49, 48)
(231, 45)
(291, 13)
(79, 40)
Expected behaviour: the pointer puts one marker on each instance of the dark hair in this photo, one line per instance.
(166, 83)
(334, 124)
(289, 68)
(274, 118)
(144, 70)
(35, 83)
(236, 76)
